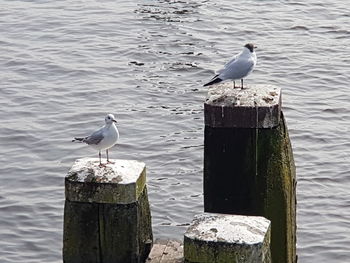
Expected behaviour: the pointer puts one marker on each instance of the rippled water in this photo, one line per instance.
(65, 64)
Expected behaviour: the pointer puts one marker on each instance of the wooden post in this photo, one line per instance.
(216, 238)
(248, 161)
(106, 216)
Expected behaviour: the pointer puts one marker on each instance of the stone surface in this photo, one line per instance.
(118, 183)
(166, 251)
(257, 106)
(213, 238)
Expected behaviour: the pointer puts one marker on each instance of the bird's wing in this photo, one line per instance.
(216, 75)
(96, 137)
(218, 72)
(226, 65)
(238, 69)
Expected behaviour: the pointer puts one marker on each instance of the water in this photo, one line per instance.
(65, 64)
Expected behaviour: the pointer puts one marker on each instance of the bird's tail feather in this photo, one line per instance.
(78, 139)
(215, 80)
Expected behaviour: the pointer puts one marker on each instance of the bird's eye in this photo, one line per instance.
(108, 118)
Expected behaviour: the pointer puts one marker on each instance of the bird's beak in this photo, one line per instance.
(255, 46)
(114, 121)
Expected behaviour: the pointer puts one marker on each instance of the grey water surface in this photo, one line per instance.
(65, 64)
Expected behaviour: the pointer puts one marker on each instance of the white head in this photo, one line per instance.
(250, 47)
(110, 119)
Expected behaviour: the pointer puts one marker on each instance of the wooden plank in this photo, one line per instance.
(156, 253)
(166, 251)
(173, 252)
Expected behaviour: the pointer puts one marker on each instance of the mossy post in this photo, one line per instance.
(248, 161)
(217, 238)
(106, 215)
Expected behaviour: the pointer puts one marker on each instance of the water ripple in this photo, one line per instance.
(66, 63)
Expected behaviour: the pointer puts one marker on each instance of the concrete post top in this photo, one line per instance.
(230, 229)
(257, 106)
(121, 172)
(121, 182)
(259, 95)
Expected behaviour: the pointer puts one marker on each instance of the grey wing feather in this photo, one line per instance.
(95, 138)
(238, 69)
(226, 65)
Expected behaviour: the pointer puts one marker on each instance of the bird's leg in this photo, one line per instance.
(241, 83)
(233, 84)
(108, 161)
(99, 155)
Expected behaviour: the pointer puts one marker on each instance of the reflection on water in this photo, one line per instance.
(65, 64)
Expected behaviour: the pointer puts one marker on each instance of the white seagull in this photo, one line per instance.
(104, 138)
(238, 67)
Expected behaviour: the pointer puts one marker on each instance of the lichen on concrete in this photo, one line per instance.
(257, 106)
(213, 238)
(122, 171)
(119, 183)
(258, 95)
(229, 228)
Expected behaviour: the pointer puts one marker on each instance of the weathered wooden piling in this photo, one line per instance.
(106, 216)
(216, 238)
(248, 161)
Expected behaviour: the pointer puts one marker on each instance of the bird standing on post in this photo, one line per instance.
(104, 138)
(238, 67)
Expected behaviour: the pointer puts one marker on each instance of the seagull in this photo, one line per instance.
(238, 67)
(102, 139)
